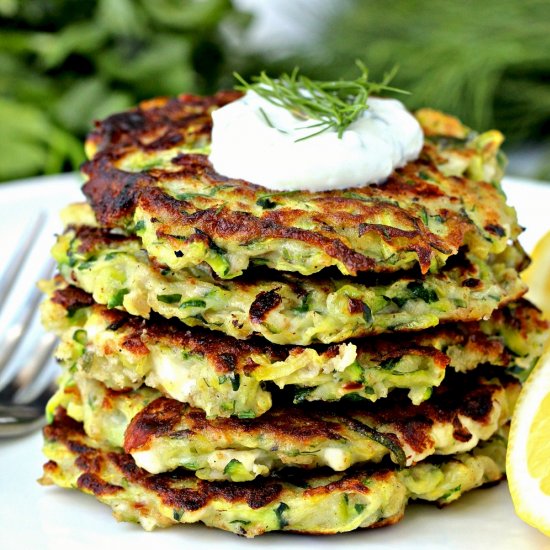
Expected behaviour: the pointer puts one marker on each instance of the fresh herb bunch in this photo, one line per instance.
(335, 104)
(64, 63)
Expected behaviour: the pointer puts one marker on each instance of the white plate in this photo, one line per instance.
(35, 517)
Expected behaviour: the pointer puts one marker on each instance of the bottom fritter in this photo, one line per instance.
(313, 503)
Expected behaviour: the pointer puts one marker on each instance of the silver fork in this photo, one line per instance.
(26, 361)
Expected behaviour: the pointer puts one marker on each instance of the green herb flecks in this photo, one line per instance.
(86, 265)
(367, 314)
(169, 298)
(241, 521)
(452, 492)
(235, 381)
(117, 298)
(266, 203)
(301, 394)
(389, 364)
(386, 440)
(421, 292)
(304, 305)
(279, 511)
(211, 194)
(246, 414)
(80, 336)
(333, 104)
(139, 226)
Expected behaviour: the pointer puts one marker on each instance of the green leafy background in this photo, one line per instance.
(64, 63)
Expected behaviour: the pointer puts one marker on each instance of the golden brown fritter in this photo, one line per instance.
(149, 174)
(314, 503)
(282, 307)
(225, 376)
(163, 434)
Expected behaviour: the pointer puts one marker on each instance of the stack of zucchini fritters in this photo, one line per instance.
(261, 360)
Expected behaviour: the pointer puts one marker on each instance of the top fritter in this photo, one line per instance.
(149, 174)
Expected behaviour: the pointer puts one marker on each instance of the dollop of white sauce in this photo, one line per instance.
(254, 140)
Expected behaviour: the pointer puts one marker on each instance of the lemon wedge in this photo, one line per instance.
(537, 275)
(528, 456)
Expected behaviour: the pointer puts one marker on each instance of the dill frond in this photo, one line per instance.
(335, 104)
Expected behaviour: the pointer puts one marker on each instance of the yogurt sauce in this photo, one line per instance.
(254, 140)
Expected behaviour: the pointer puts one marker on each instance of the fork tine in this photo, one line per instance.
(18, 259)
(31, 379)
(23, 398)
(22, 320)
(17, 328)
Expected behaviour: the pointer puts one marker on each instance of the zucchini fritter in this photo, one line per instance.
(149, 174)
(163, 434)
(316, 503)
(224, 376)
(284, 308)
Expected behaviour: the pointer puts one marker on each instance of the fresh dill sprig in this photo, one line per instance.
(334, 104)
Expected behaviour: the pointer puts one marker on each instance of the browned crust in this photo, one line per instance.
(50, 468)
(228, 355)
(170, 487)
(72, 298)
(87, 459)
(263, 304)
(159, 418)
(254, 495)
(469, 396)
(165, 123)
(70, 433)
(523, 317)
(182, 492)
(458, 396)
(137, 127)
(90, 240)
(115, 194)
(92, 483)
